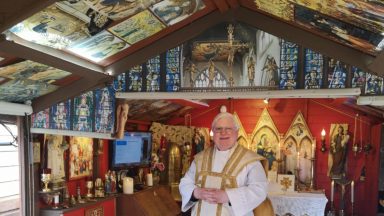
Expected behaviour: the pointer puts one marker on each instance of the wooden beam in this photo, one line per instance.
(169, 41)
(15, 11)
(49, 56)
(306, 38)
(233, 3)
(221, 5)
(70, 91)
(378, 64)
(189, 103)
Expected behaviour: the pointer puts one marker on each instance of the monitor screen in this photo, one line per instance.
(134, 150)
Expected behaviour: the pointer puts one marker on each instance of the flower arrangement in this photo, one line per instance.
(156, 165)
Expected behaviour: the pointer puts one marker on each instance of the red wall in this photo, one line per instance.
(319, 114)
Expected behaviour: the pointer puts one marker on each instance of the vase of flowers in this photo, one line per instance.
(156, 168)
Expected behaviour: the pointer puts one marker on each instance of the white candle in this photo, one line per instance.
(313, 149)
(298, 160)
(128, 185)
(352, 192)
(332, 190)
(149, 179)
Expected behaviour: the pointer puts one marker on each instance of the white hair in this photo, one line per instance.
(225, 115)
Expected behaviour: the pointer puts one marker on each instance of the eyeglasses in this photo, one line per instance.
(223, 129)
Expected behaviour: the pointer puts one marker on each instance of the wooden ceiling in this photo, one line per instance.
(88, 75)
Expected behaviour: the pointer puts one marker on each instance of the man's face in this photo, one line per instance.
(224, 134)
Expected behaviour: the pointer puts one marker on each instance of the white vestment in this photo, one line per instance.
(246, 190)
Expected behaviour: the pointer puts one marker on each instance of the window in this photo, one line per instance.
(9, 163)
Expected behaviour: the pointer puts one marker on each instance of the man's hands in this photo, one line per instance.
(212, 196)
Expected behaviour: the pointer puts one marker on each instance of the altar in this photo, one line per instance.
(298, 204)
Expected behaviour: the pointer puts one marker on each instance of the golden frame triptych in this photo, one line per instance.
(286, 153)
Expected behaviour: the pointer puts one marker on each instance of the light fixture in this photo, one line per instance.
(72, 133)
(266, 100)
(225, 94)
(323, 147)
(8, 108)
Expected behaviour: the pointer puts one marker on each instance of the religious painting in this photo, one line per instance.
(337, 74)
(298, 149)
(172, 12)
(83, 112)
(374, 84)
(138, 27)
(117, 10)
(99, 47)
(104, 110)
(358, 78)
(51, 27)
(80, 157)
(286, 182)
(313, 69)
(33, 71)
(280, 8)
(364, 14)
(61, 116)
(56, 148)
(346, 33)
(289, 56)
(265, 139)
(205, 51)
(338, 151)
(96, 22)
(22, 90)
(242, 138)
(41, 119)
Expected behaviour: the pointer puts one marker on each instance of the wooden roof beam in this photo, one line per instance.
(221, 5)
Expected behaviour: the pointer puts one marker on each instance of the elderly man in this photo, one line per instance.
(226, 179)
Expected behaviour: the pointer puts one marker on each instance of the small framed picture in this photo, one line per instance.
(80, 157)
(286, 182)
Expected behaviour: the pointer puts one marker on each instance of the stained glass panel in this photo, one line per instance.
(288, 65)
(153, 76)
(374, 84)
(119, 83)
(104, 111)
(135, 79)
(337, 73)
(359, 78)
(61, 116)
(173, 69)
(313, 69)
(41, 119)
(83, 107)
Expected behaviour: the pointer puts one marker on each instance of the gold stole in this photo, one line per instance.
(206, 178)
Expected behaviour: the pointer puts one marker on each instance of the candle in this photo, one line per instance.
(279, 150)
(332, 190)
(298, 160)
(149, 179)
(128, 185)
(352, 192)
(313, 149)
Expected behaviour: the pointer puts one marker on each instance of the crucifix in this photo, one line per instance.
(233, 47)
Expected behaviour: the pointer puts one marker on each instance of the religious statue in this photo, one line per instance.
(270, 70)
(56, 148)
(251, 71)
(122, 110)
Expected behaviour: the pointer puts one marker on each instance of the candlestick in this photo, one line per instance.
(352, 192)
(332, 189)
